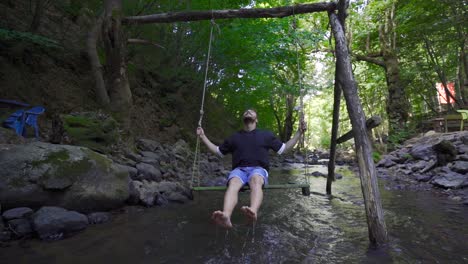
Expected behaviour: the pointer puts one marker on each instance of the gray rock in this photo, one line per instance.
(148, 145)
(148, 172)
(181, 149)
(464, 139)
(16, 213)
(460, 167)
(418, 165)
(430, 165)
(463, 157)
(168, 187)
(143, 192)
(422, 152)
(299, 158)
(161, 200)
(132, 172)
(99, 217)
(213, 158)
(423, 177)
(53, 223)
(5, 236)
(134, 156)
(450, 180)
(387, 162)
(150, 161)
(463, 149)
(32, 174)
(338, 176)
(127, 162)
(134, 190)
(149, 154)
(218, 181)
(177, 197)
(318, 174)
(20, 227)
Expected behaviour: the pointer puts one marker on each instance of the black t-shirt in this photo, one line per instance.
(250, 148)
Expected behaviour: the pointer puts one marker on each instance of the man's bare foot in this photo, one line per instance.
(221, 219)
(249, 213)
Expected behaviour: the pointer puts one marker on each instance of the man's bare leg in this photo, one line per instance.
(223, 218)
(256, 198)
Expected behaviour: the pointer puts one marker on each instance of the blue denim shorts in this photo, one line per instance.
(245, 173)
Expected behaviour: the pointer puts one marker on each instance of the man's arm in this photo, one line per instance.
(212, 147)
(293, 141)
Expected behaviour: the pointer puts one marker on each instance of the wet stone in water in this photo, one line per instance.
(99, 217)
(16, 213)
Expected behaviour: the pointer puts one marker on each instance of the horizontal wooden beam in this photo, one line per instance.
(370, 124)
(276, 12)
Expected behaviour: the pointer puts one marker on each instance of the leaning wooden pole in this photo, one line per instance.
(367, 171)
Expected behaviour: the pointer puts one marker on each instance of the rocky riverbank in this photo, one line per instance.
(52, 191)
(433, 162)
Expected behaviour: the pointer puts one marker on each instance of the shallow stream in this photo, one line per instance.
(292, 228)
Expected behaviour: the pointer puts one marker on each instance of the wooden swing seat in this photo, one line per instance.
(304, 187)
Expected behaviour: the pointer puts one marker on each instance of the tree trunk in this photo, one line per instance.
(115, 49)
(38, 11)
(367, 171)
(289, 120)
(91, 45)
(397, 104)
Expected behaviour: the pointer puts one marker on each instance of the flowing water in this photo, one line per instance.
(292, 228)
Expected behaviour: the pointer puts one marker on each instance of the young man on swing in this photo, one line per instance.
(250, 163)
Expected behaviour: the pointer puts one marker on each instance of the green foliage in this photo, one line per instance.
(376, 156)
(254, 62)
(13, 35)
(399, 136)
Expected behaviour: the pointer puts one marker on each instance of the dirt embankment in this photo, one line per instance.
(51, 68)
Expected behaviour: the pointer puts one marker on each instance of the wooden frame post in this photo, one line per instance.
(334, 133)
(342, 8)
(367, 171)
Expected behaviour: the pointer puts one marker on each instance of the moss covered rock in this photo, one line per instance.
(72, 177)
(93, 130)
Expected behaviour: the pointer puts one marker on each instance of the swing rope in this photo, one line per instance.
(196, 160)
(302, 92)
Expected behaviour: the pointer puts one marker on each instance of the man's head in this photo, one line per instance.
(250, 117)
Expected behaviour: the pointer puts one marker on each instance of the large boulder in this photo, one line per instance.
(72, 177)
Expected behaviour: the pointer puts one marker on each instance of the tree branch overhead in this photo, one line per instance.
(277, 12)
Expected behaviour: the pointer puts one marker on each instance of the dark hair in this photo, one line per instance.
(251, 109)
